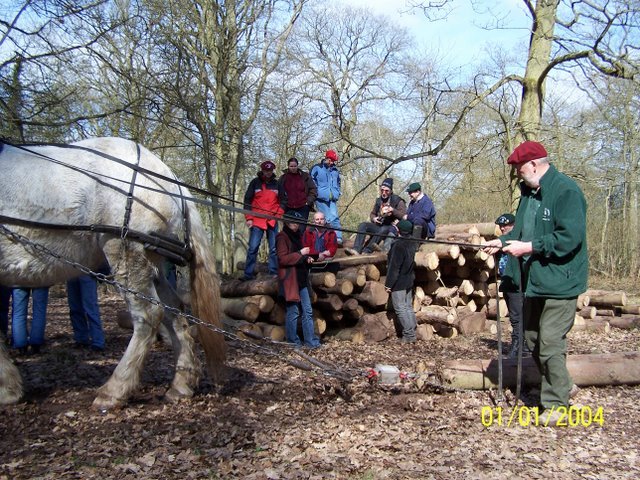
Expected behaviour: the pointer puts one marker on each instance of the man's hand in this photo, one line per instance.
(305, 251)
(249, 223)
(518, 248)
(387, 289)
(492, 246)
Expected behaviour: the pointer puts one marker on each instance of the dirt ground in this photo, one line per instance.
(271, 420)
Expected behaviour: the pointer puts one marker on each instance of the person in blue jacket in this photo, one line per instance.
(326, 176)
(421, 211)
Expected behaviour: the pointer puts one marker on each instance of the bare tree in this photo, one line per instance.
(40, 42)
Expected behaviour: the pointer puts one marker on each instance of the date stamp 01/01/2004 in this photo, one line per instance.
(582, 416)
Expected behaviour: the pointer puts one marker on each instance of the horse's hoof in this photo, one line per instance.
(10, 398)
(103, 403)
(175, 395)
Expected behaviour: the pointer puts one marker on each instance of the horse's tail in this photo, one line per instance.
(10, 380)
(205, 295)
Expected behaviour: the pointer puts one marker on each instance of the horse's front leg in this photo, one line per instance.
(126, 377)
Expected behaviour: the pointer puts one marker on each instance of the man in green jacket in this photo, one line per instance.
(550, 236)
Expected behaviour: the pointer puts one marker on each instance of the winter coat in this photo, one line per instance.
(401, 264)
(423, 213)
(399, 209)
(310, 236)
(558, 266)
(262, 197)
(290, 260)
(295, 190)
(327, 179)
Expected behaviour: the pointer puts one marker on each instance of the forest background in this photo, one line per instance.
(216, 87)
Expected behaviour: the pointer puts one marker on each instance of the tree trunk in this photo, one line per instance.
(586, 370)
(237, 288)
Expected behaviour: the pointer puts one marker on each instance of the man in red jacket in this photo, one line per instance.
(297, 192)
(321, 240)
(262, 198)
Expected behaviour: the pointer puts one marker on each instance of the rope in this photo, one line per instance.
(325, 368)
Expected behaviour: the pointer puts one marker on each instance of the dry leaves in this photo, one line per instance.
(272, 421)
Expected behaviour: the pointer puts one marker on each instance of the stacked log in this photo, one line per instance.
(456, 293)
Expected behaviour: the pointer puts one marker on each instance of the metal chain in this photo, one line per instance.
(39, 248)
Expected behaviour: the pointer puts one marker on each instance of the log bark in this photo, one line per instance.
(625, 322)
(430, 261)
(240, 309)
(471, 322)
(376, 326)
(373, 258)
(436, 314)
(487, 229)
(373, 294)
(495, 306)
(441, 250)
(264, 302)
(588, 312)
(605, 298)
(237, 288)
(605, 312)
(586, 370)
(372, 272)
(331, 303)
(424, 332)
(356, 275)
(323, 279)
(350, 335)
(583, 301)
(627, 309)
(342, 287)
(597, 324)
(277, 315)
(274, 332)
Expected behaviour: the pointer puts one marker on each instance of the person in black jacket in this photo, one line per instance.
(400, 279)
(387, 211)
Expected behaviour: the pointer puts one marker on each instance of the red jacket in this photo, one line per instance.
(287, 262)
(262, 197)
(296, 190)
(330, 240)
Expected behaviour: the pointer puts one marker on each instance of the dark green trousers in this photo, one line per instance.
(546, 323)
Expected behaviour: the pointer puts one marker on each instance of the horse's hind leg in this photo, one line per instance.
(10, 381)
(145, 316)
(187, 372)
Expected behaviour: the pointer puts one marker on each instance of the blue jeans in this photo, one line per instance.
(376, 233)
(82, 295)
(5, 296)
(295, 310)
(255, 237)
(330, 210)
(403, 305)
(19, 331)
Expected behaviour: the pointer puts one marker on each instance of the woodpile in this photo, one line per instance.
(456, 293)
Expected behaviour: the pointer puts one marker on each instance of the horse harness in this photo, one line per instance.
(171, 247)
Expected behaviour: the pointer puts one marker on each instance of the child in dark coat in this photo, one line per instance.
(400, 279)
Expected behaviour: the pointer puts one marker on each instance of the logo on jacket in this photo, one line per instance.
(546, 215)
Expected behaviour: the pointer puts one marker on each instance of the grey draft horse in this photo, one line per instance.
(108, 182)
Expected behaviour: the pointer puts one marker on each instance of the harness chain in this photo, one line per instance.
(327, 370)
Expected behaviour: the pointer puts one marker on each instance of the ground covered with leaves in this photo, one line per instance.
(271, 420)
